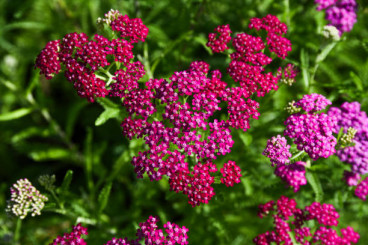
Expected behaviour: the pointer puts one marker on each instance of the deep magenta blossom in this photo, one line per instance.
(231, 173)
(288, 219)
(340, 13)
(219, 43)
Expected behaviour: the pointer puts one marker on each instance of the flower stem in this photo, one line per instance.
(18, 226)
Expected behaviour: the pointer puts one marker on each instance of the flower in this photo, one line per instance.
(312, 132)
(277, 150)
(25, 198)
(288, 219)
(293, 174)
(340, 13)
(231, 173)
(74, 237)
(219, 44)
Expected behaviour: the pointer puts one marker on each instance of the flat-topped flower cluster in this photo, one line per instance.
(175, 116)
(148, 232)
(291, 223)
(312, 132)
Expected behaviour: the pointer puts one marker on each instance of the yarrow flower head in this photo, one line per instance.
(74, 237)
(25, 198)
(288, 219)
(277, 150)
(361, 190)
(219, 44)
(231, 173)
(287, 75)
(293, 174)
(149, 232)
(109, 17)
(313, 103)
(312, 132)
(291, 108)
(331, 32)
(354, 123)
(340, 13)
(349, 115)
(175, 117)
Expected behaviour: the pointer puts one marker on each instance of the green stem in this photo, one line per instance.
(324, 51)
(18, 226)
(297, 155)
(61, 205)
(287, 12)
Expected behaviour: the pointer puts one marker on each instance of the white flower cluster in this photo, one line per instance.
(109, 17)
(25, 198)
(331, 32)
(291, 108)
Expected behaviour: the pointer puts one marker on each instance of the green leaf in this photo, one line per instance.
(246, 138)
(107, 103)
(358, 82)
(50, 154)
(106, 115)
(324, 52)
(315, 183)
(15, 114)
(66, 182)
(103, 197)
(304, 60)
(25, 25)
(30, 132)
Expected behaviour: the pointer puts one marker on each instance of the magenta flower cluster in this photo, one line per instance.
(340, 13)
(312, 131)
(350, 115)
(248, 62)
(219, 44)
(175, 116)
(74, 237)
(288, 219)
(84, 60)
(293, 174)
(231, 173)
(277, 150)
(147, 231)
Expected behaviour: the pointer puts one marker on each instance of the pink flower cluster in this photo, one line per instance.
(340, 13)
(288, 74)
(231, 174)
(175, 117)
(288, 219)
(219, 44)
(277, 150)
(74, 237)
(83, 60)
(248, 62)
(312, 132)
(147, 231)
(350, 115)
(293, 174)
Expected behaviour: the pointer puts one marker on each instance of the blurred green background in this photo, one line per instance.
(53, 130)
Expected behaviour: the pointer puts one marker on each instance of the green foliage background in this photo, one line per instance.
(45, 128)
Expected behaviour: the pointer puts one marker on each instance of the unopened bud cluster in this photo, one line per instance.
(354, 123)
(25, 198)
